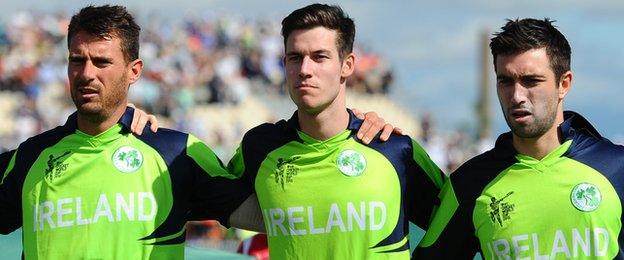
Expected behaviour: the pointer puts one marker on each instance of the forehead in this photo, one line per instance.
(534, 61)
(85, 42)
(313, 39)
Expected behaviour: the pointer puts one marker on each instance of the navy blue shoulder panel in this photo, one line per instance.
(260, 141)
(468, 181)
(196, 195)
(606, 158)
(171, 145)
(27, 154)
(600, 154)
(417, 197)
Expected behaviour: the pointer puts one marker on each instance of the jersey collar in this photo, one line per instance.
(125, 121)
(354, 122)
(574, 127)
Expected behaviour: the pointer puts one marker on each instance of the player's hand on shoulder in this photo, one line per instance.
(372, 125)
(140, 119)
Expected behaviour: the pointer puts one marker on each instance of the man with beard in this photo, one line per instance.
(91, 189)
(550, 188)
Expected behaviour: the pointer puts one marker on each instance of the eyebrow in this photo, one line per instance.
(97, 59)
(528, 76)
(321, 51)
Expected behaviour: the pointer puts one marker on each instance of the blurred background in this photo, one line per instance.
(213, 68)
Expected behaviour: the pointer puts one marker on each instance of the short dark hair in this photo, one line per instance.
(108, 21)
(518, 36)
(321, 15)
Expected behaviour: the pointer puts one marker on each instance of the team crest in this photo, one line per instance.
(127, 159)
(351, 163)
(586, 197)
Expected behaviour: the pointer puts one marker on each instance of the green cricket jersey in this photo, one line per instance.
(338, 198)
(511, 206)
(114, 195)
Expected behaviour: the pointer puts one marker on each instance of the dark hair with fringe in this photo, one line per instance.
(518, 36)
(321, 15)
(108, 21)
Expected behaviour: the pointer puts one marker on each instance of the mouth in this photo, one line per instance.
(520, 115)
(88, 92)
(304, 86)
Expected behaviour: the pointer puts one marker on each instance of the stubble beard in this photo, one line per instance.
(104, 108)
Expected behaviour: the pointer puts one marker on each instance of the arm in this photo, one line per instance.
(10, 197)
(424, 184)
(451, 233)
(216, 193)
(248, 215)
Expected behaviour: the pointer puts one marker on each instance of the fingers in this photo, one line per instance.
(153, 122)
(398, 131)
(357, 113)
(386, 132)
(136, 119)
(371, 126)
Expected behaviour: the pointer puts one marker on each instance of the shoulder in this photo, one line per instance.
(474, 175)
(169, 143)
(269, 135)
(396, 144)
(267, 130)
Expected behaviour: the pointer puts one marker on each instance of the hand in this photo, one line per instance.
(140, 119)
(372, 125)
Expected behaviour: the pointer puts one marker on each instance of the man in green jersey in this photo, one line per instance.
(323, 194)
(90, 189)
(551, 188)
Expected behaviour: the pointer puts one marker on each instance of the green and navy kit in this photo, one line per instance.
(338, 198)
(113, 195)
(510, 206)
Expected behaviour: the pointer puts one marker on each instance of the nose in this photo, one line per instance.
(306, 67)
(518, 95)
(87, 71)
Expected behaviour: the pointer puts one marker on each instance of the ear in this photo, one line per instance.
(348, 65)
(135, 68)
(565, 83)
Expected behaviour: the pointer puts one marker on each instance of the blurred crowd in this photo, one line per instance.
(212, 59)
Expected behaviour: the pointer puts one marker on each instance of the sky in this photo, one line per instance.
(433, 47)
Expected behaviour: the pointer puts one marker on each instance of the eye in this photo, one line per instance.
(502, 82)
(320, 57)
(531, 82)
(293, 58)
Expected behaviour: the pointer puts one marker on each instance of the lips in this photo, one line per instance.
(88, 92)
(305, 86)
(520, 115)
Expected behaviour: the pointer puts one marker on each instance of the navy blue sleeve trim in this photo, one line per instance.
(468, 182)
(260, 141)
(27, 153)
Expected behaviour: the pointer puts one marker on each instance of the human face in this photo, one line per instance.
(529, 94)
(315, 74)
(99, 76)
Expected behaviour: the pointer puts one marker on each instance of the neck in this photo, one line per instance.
(325, 124)
(94, 124)
(539, 147)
